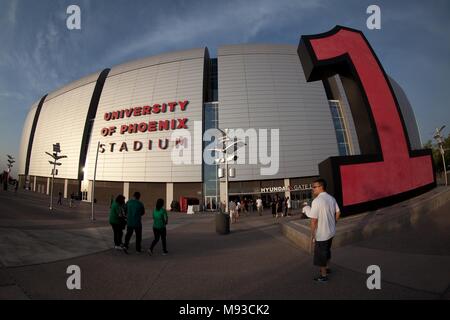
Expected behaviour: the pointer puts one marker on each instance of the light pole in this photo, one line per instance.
(440, 141)
(55, 157)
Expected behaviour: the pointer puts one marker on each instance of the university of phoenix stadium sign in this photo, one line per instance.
(143, 126)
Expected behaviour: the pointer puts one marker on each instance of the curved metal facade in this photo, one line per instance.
(259, 86)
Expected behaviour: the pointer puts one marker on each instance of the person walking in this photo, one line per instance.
(242, 208)
(60, 198)
(259, 206)
(135, 211)
(232, 208)
(246, 202)
(274, 207)
(279, 207)
(287, 207)
(160, 220)
(118, 221)
(324, 214)
(72, 196)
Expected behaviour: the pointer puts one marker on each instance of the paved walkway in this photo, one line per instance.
(32, 234)
(255, 261)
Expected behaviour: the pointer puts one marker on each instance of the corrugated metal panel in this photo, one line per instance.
(73, 85)
(256, 48)
(408, 116)
(263, 86)
(62, 120)
(167, 78)
(26, 137)
(156, 60)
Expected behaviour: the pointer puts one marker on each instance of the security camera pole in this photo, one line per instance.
(438, 137)
(55, 157)
(225, 138)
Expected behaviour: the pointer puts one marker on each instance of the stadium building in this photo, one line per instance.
(132, 114)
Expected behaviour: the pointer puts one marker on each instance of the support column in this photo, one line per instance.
(89, 192)
(34, 184)
(286, 184)
(66, 181)
(169, 195)
(48, 185)
(126, 190)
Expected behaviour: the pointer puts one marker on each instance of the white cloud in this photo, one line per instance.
(12, 12)
(241, 20)
(41, 65)
(12, 95)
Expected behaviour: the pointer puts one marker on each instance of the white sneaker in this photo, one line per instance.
(118, 247)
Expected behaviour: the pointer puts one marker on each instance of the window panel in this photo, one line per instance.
(340, 129)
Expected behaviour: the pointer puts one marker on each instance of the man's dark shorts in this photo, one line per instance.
(322, 252)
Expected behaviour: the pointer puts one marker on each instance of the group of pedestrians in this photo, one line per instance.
(72, 199)
(281, 207)
(244, 206)
(129, 216)
(5, 182)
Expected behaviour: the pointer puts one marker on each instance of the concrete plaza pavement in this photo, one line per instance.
(255, 261)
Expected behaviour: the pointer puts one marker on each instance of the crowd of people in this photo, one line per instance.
(281, 207)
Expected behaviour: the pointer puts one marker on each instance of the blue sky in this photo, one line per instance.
(38, 54)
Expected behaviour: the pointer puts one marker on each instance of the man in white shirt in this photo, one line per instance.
(237, 211)
(324, 214)
(287, 207)
(259, 206)
(232, 208)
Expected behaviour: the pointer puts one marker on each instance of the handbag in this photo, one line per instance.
(122, 219)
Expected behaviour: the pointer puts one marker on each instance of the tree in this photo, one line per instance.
(437, 157)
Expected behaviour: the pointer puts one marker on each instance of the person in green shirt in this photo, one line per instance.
(135, 211)
(117, 220)
(160, 220)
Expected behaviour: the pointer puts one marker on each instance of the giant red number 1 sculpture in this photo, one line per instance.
(394, 172)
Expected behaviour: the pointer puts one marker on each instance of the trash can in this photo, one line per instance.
(222, 223)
